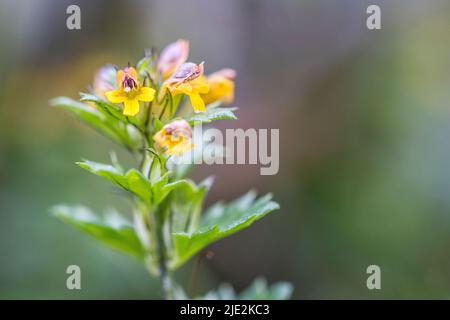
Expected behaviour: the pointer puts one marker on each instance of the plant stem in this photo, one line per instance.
(166, 281)
(159, 216)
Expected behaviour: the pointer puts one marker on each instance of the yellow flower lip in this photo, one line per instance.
(175, 137)
(221, 84)
(129, 91)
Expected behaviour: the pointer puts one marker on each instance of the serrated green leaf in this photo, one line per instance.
(100, 121)
(162, 188)
(139, 184)
(113, 232)
(186, 205)
(220, 221)
(132, 181)
(212, 114)
(135, 182)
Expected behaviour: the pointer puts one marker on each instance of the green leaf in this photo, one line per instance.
(103, 105)
(157, 124)
(115, 160)
(135, 182)
(258, 290)
(220, 221)
(132, 181)
(163, 187)
(111, 110)
(212, 114)
(112, 231)
(187, 203)
(143, 65)
(100, 121)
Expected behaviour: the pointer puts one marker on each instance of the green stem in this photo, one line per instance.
(160, 216)
(166, 280)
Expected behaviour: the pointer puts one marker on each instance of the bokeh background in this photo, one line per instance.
(364, 120)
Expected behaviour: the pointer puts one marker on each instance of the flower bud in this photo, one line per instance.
(173, 56)
(187, 71)
(104, 80)
(175, 137)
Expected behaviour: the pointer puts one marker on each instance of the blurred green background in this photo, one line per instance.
(364, 122)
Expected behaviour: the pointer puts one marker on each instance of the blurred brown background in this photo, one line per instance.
(364, 124)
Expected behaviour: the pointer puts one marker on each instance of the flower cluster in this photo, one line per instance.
(156, 78)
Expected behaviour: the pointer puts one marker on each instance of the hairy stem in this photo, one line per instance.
(161, 220)
(166, 281)
(159, 217)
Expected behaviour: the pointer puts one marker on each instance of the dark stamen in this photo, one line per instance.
(129, 82)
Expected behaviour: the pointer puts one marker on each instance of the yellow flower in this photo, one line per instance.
(221, 86)
(188, 79)
(130, 92)
(175, 137)
(173, 56)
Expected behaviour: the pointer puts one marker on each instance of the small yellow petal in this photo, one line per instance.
(175, 137)
(160, 137)
(132, 72)
(184, 88)
(197, 102)
(146, 94)
(119, 77)
(162, 90)
(131, 107)
(202, 88)
(180, 148)
(116, 96)
(200, 85)
(221, 88)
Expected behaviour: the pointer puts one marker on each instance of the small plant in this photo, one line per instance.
(145, 109)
